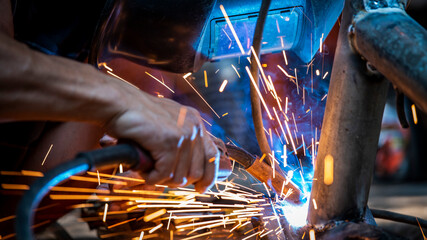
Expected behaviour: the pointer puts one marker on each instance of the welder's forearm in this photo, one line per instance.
(35, 86)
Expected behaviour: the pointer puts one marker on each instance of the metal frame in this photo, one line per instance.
(376, 39)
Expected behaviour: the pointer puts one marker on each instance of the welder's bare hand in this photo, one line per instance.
(183, 152)
(45, 87)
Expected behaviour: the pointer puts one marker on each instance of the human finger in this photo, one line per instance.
(183, 160)
(197, 163)
(212, 156)
(165, 164)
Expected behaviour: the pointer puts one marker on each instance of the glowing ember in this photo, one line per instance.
(232, 29)
(224, 83)
(104, 218)
(206, 78)
(259, 93)
(328, 178)
(161, 82)
(414, 113)
(47, 154)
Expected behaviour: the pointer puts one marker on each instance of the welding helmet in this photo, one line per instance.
(179, 36)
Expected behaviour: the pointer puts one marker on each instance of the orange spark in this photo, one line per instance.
(232, 29)
(296, 80)
(115, 176)
(414, 114)
(7, 218)
(321, 43)
(226, 34)
(326, 74)
(312, 150)
(280, 125)
(264, 234)
(15, 186)
(295, 122)
(260, 68)
(323, 98)
(328, 178)
(235, 70)
(160, 82)
(82, 205)
(259, 93)
(283, 70)
(47, 154)
(235, 227)
(116, 76)
(206, 78)
(155, 228)
(105, 66)
(104, 218)
(154, 215)
(422, 232)
(32, 173)
(224, 83)
(262, 157)
(265, 186)
(252, 235)
(285, 156)
(290, 137)
(208, 123)
(187, 75)
(121, 223)
(99, 179)
(202, 97)
(271, 136)
(22, 173)
(284, 56)
(88, 179)
(81, 190)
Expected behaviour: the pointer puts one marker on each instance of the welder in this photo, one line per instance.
(45, 89)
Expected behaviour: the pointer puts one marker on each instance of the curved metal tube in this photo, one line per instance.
(255, 101)
(126, 154)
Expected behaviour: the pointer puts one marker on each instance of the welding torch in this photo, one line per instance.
(259, 169)
(132, 156)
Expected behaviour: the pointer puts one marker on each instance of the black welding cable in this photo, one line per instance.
(255, 101)
(126, 154)
(397, 217)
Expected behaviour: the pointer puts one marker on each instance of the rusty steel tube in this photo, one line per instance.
(397, 46)
(350, 133)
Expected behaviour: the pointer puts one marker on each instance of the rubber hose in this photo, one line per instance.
(126, 154)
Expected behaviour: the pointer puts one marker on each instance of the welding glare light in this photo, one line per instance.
(281, 32)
